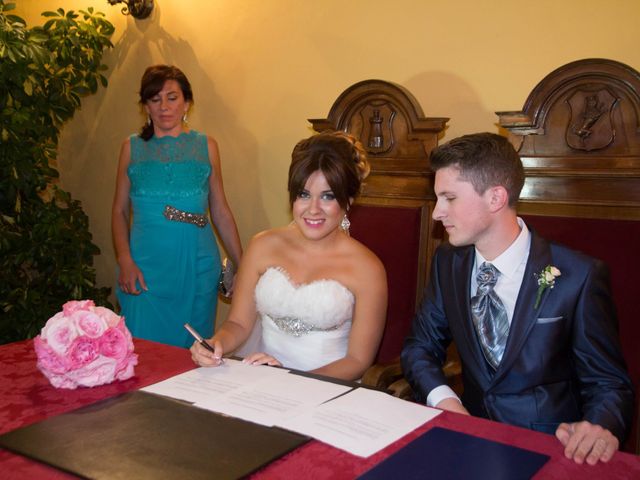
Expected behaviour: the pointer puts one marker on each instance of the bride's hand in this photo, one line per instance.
(205, 358)
(261, 358)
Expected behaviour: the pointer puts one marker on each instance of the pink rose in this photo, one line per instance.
(89, 324)
(48, 360)
(122, 326)
(62, 381)
(124, 369)
(107, 315)
(83, 351)
(114, 344)
(75, 305)
(59, 333)
(100, 371)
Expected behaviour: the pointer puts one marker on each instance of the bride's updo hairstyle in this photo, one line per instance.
(338, 155)
(153, 79)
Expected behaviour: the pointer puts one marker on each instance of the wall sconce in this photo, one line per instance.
(137, 8)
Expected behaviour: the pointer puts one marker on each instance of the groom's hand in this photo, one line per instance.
(586, 441)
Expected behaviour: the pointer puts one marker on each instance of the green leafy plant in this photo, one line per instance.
(46, 250)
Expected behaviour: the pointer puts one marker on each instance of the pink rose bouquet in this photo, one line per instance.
(84, 345)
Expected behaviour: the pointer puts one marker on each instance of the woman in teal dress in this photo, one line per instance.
(169, 178)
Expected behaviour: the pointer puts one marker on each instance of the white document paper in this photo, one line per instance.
(274, 399)
(361, 422)
(205, 383)
(256, 393)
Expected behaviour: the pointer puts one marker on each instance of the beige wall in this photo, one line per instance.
(260, 68)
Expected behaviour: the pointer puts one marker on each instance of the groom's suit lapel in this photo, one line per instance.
(524, 315)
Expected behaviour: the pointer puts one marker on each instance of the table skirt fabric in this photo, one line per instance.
(27, 397)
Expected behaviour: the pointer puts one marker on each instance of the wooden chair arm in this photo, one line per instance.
(401, 389)
(389, 376)
(382, 375)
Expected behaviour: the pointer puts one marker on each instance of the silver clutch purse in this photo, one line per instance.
(226, 278)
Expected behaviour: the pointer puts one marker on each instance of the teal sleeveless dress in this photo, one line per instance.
(180, 261)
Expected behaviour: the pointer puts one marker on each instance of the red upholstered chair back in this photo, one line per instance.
(393, 234)
(617, 243)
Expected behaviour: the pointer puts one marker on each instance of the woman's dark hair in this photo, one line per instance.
(153, 80)
(339, 156)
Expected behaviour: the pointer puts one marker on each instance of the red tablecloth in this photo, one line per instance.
(27, 397)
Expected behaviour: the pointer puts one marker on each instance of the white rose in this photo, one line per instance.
(110, 317)
(89, 324)
(59, 332)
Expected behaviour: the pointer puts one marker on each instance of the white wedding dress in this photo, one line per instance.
(304, 326)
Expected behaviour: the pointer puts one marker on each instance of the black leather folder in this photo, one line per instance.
(443, 453)
(139, 435)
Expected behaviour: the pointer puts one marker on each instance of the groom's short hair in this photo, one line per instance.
(485, 160)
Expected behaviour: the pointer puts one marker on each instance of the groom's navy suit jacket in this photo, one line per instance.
(562, 361)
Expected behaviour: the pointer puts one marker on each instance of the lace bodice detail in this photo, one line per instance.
(170, 167)
(321, 305)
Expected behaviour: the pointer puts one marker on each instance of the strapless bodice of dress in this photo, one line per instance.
(304, 326)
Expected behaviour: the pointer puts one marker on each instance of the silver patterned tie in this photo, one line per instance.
(489, 315)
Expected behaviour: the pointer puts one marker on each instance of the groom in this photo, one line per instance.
(533, 321)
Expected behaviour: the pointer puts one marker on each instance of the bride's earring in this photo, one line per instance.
(345, 224)
(148, 120)
(184, 118)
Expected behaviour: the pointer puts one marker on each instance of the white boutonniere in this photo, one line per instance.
(546, 279)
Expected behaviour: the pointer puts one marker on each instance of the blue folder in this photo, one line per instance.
(445, 454)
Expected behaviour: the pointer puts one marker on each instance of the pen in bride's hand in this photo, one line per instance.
(200, 340)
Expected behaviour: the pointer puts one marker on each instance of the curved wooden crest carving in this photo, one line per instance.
(590, 105)
(389, 122)
(578, 135)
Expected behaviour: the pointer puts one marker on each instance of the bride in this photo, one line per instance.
(320, 295)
